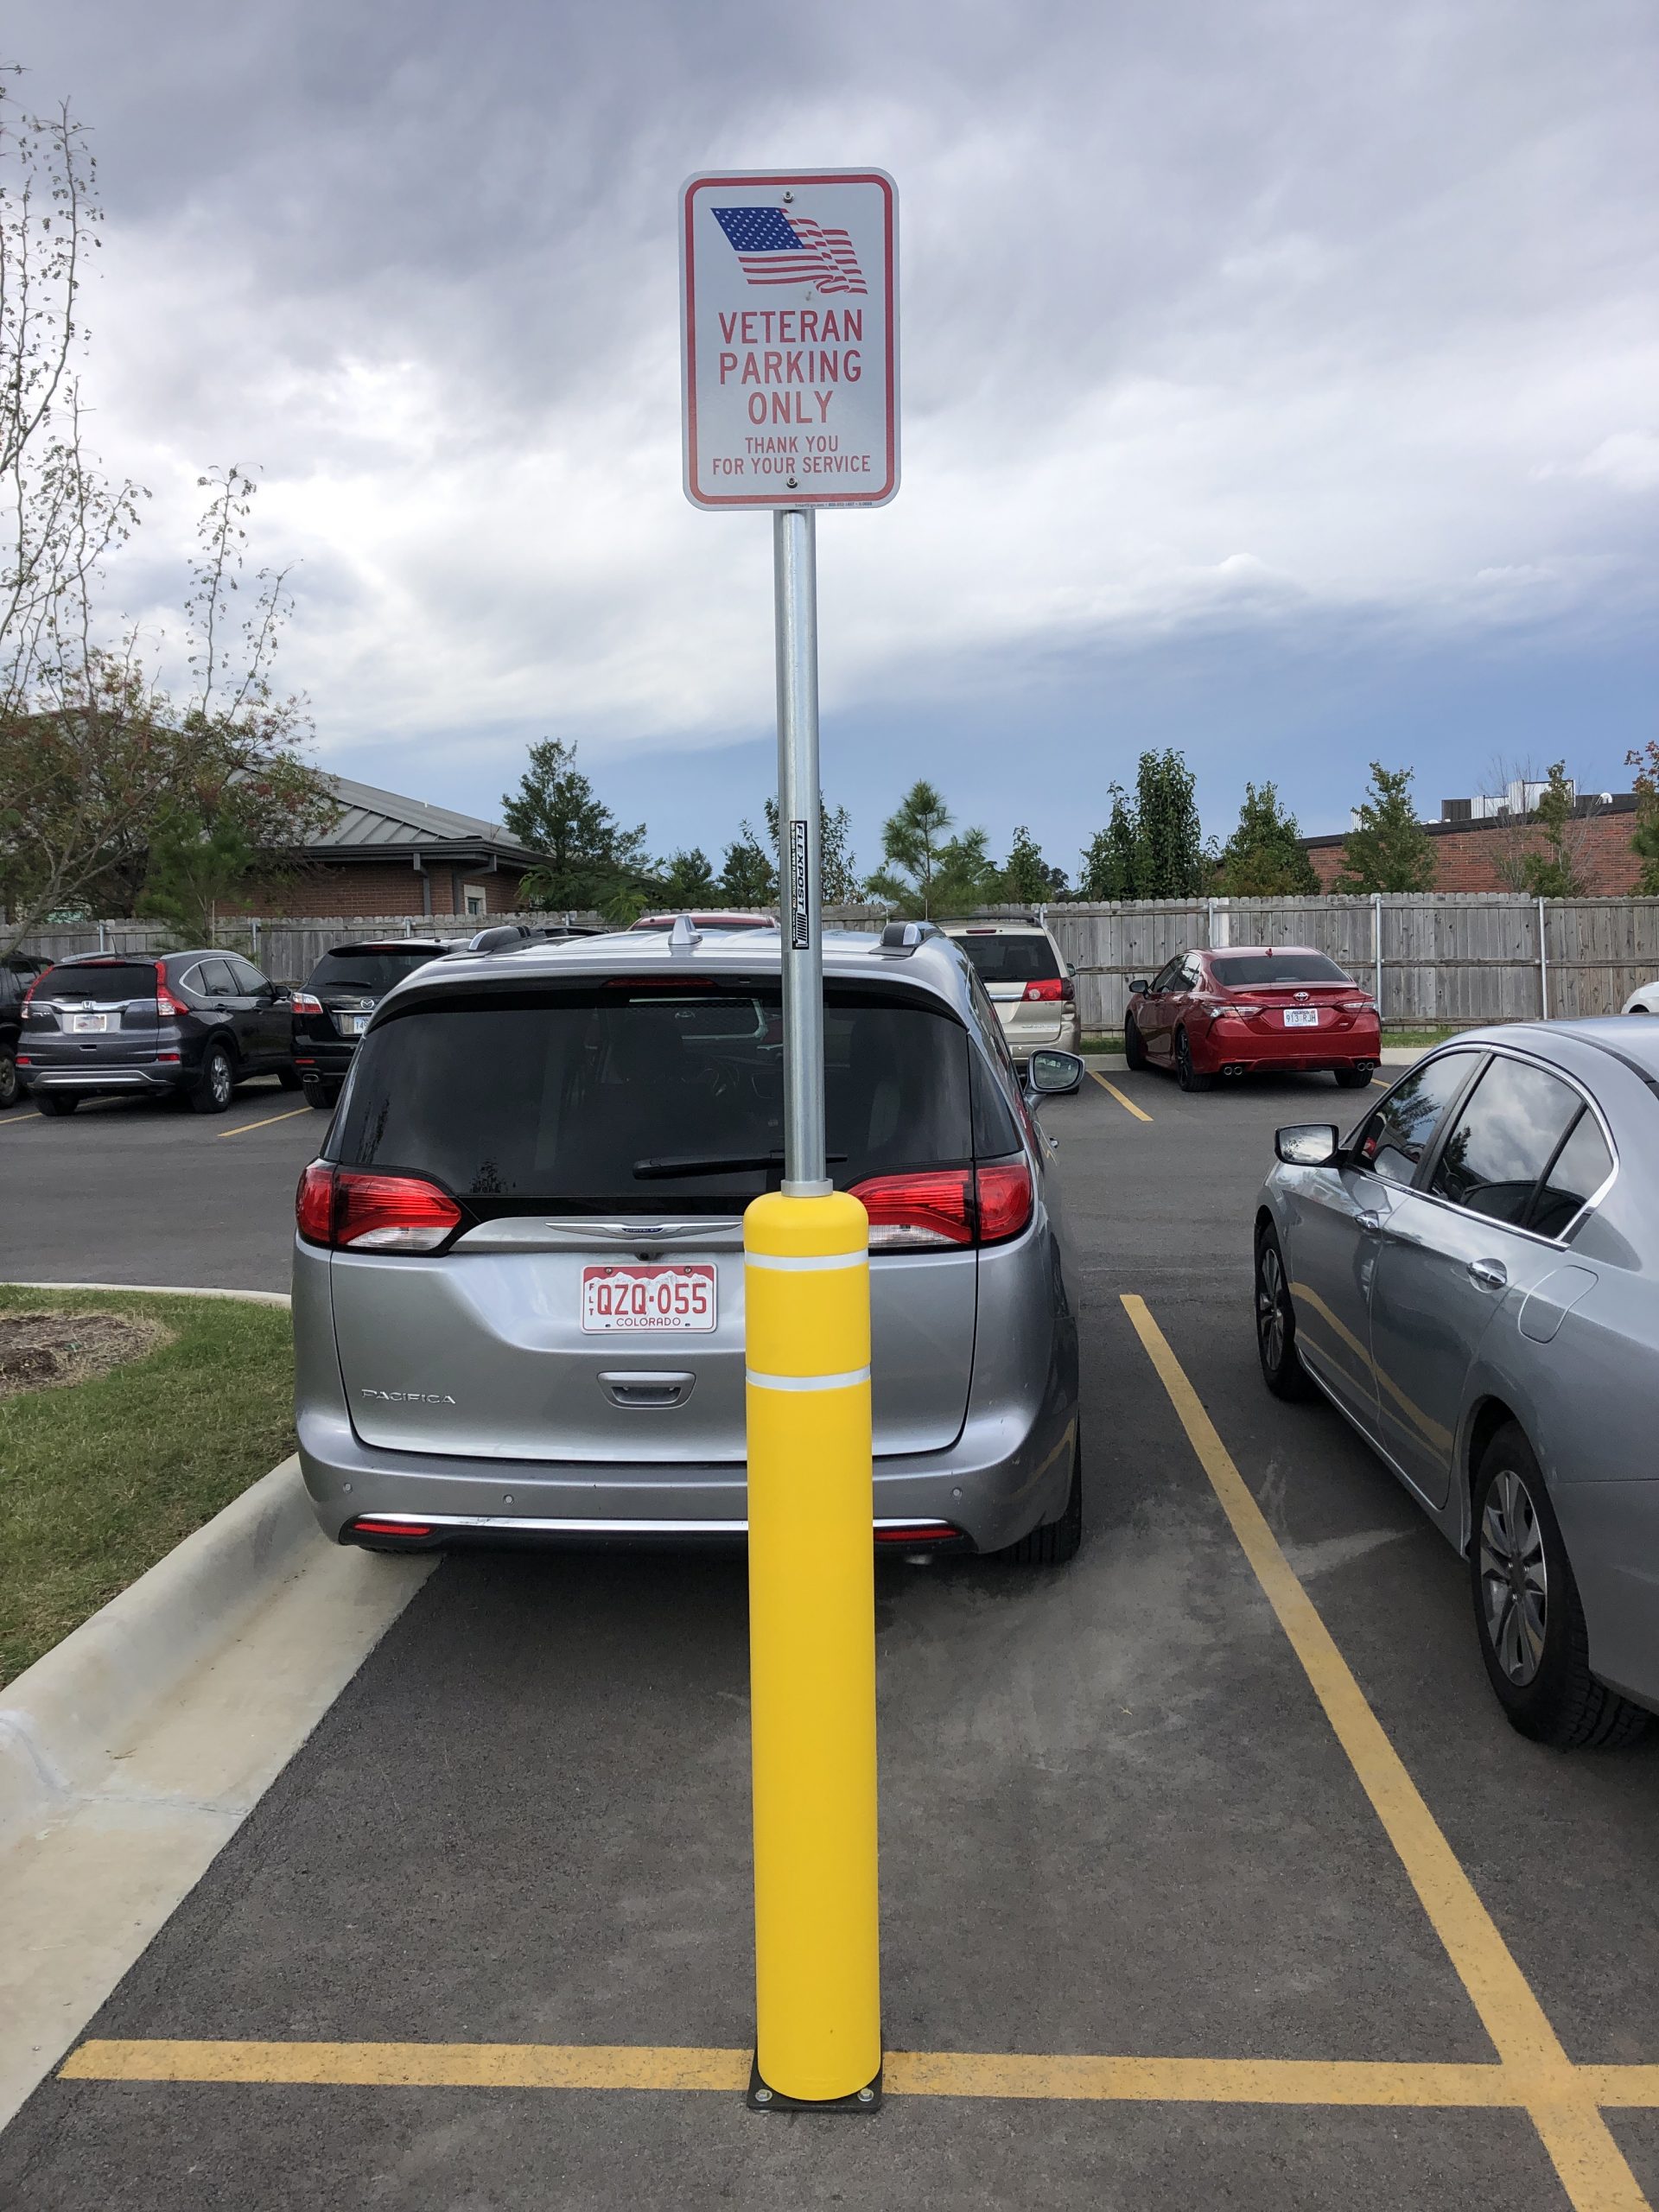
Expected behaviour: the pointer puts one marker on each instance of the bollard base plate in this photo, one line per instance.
(762, 2099)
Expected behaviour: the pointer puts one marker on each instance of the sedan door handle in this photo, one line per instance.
(1370, 1221)
(1490, 1275)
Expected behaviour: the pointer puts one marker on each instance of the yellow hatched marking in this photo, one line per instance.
(1128, 1104)
(242, 1127)
(1559, 2099)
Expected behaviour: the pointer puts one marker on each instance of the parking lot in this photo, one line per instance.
(1211, 1873)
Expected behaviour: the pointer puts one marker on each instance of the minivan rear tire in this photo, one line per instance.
(1053, 1543)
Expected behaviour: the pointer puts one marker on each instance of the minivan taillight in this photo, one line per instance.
(346, 1211)
(1052, 987)
(940, 1208)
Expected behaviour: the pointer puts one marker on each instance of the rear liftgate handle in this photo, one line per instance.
(633, 1387)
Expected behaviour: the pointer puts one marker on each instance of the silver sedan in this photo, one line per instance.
(1471, 1277)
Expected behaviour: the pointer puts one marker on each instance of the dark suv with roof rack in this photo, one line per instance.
(332, 1010)
(176, 1024)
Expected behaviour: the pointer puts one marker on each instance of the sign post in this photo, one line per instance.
(790, 349)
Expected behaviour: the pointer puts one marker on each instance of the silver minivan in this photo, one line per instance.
(519, 1275)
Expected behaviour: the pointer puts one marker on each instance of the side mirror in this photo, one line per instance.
(1307, 1144)
(1139, 987)
(1052, 1073)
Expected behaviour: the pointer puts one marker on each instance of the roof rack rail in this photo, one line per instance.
(905, 937)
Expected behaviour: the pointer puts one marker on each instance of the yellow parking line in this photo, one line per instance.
(1068, 2077)
(1559, 2100)
(17, 1121)
(242, 1127)
(1128, 1104)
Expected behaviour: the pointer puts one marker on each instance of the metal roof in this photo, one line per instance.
(372, 819)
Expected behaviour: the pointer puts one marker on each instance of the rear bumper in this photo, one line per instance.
(1226, 1045)
(87, 1081)
(328, 1056)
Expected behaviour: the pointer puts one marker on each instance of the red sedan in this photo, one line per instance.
(1251, 1008)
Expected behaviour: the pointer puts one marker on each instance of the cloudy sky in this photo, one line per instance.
(1281, 380)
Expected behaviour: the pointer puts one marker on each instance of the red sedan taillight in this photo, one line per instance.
(941, 1207)
(344, 1210)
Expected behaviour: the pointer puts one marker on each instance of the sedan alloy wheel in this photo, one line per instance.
(1514, 1578)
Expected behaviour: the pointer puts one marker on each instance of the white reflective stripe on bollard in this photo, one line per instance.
(807, 1381)
(809, 1266)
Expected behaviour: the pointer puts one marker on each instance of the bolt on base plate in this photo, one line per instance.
(761, 2099)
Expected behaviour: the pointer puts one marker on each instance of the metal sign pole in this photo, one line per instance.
(795, 586)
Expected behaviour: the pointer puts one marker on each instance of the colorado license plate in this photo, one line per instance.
(82, 1025)
(1301, 1017)
(668, 1297)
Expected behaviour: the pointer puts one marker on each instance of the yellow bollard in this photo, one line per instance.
(812, 1646)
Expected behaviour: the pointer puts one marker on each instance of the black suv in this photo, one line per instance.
(340, 993)
(16, 976)
(189, 1024)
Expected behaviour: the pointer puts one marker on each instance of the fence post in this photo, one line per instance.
(102, 946)
(1543, 966)
(1376, 951)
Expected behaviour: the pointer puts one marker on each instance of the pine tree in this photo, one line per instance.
(588, 859)
(914, 840)
(1265, 858)
(688, 881)
(1389, 850)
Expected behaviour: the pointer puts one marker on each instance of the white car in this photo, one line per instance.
(1644, 999)
(1029, 981)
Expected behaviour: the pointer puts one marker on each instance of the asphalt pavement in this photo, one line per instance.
(1117, 1820)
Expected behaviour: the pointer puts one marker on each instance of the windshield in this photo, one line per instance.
(634, 1095)
(1236, 968)
(1012, 959)
(373, 974)
(108, 980)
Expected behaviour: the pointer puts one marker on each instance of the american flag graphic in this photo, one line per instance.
(779, 249)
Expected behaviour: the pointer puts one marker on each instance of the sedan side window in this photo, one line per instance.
(1504, 1138)
(1169, 979)
(1397, 1135)
(1578, 1172)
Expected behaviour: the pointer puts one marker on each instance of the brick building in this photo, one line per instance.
(1470, 851)
(387, 854)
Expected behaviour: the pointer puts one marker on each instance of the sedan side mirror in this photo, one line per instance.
(1307, 1144)
(1052, 1074)
(1139, 987)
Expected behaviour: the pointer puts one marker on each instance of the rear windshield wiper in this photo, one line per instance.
(715, 1163)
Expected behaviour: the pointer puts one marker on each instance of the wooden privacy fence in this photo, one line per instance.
(1430, 959)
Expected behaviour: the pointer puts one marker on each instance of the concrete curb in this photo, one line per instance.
(160, 1290)
(62, 1719)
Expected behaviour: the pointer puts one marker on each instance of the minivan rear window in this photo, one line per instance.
(634, 1096)
(111, 979)
(1012, 959)
(1235, 970)
(372, 974)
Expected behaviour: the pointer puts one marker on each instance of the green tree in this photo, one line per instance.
(1108, 857)
(1027, 876)
(587, 858)
(1555, 873)
(1264, 858)
(966, 875)
(913, 841)
(1645, 841)
(1388, 850)
(749, 877)
(1169, 855)
(688, 881)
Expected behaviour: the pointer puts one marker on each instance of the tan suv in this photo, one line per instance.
(1029, 981)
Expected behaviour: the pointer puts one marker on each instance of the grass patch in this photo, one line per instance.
(100, 1478)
